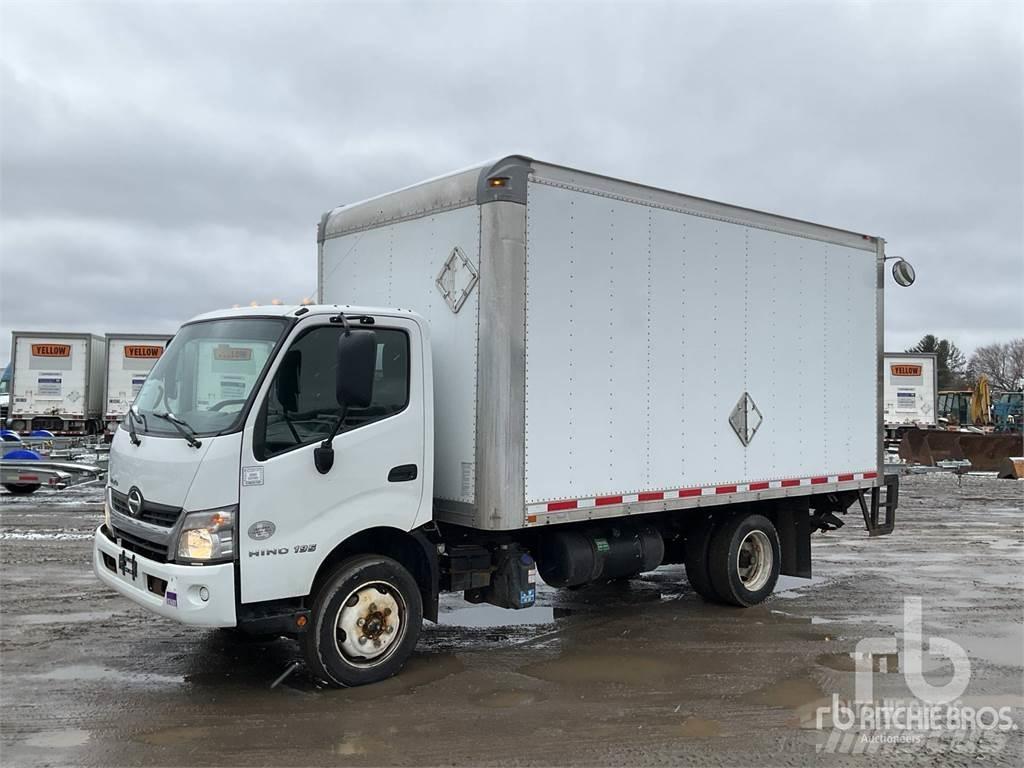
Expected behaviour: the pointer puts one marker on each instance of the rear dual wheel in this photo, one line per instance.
(366, 620)
(736, 563)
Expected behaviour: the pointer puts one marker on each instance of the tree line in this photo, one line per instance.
(1002, 364)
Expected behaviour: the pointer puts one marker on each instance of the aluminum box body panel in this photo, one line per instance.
(613, 330)
(646, 325)
(396, 266)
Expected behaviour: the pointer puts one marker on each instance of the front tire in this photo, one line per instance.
(744, 560)
(367, 617)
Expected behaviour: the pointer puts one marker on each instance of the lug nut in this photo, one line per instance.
(373, 607)
(376, 643)
(387, 611)
(360, 622)
(389, 629)
(362, 639)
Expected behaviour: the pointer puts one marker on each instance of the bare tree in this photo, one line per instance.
(1003, 364)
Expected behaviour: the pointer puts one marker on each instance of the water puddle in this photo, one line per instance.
(794, 693)
(94, 673)
(508, 699)
(64, 618)
(604, 668)
(169, 737)
(881, 663)
(69, 737)
(487, 616)
(699, 728)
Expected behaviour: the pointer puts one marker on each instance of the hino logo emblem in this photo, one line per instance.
(135, 501)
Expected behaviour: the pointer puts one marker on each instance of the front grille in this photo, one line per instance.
(152, 513)
(138, 545)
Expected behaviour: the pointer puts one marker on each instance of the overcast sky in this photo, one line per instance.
(160, 160)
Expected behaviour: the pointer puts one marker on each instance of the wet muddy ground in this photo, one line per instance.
(639, 673)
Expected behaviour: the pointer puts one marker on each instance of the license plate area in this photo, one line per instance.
(128, 566)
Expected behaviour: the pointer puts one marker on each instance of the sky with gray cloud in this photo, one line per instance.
(158, 160)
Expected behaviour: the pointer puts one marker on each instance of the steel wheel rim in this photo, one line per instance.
(370, 624)
(754, 560)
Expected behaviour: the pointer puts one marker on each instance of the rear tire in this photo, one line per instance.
(698, 543)
(744, 560)
(367, 616)
(22, 489)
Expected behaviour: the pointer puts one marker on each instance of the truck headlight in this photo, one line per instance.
(208, 535)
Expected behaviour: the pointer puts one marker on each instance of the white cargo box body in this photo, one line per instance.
(599, 347)
(56, 374)
(911, 388)
(130, 357)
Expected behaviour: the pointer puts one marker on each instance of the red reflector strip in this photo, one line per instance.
(790, 483)
(654, 496)
(759, 486)
(689, 492)
(870, 475)
(844, 478)
(29, 478)
(558, 506)
(725, 489)
(818, 480)
(604, 501)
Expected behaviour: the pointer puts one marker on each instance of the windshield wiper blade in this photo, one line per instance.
(182, 426)
(132, 416)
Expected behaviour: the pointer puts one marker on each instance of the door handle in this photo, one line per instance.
(402, 473)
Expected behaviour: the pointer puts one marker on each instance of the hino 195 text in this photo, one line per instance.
(515, 369)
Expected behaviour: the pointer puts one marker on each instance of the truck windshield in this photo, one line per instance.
(207, 375)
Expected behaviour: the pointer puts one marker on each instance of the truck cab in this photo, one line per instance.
(220, 511)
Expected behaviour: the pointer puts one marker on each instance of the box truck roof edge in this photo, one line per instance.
(505, 180)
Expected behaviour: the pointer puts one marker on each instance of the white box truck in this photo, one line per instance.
(515, 368)
(56, 382)
(130, 357)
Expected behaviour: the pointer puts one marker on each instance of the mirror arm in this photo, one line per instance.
(329, 442)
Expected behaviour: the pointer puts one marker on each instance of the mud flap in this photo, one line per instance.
(793, 523)
(873, 520)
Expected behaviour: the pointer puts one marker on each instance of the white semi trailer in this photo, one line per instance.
(56, 382)
(911, 389)
(514, 368)
(130, 357)
(910, 394)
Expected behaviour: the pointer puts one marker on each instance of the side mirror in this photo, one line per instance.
(288, 380)
(357, 365)
(903, 273)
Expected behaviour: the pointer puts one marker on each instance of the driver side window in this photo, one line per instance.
(301, 408)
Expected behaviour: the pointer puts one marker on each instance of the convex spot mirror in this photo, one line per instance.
(357, 365)
(903, 273)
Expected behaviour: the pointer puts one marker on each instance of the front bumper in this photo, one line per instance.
(167, 589)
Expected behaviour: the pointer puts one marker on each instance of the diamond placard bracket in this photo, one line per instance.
(456, 279)
(745, 419)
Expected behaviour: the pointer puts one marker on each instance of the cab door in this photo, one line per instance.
(290, 515)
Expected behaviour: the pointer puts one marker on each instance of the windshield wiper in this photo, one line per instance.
(182, 426)
(132, 416)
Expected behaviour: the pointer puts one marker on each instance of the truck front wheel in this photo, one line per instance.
(366, 616)
(744, 560)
